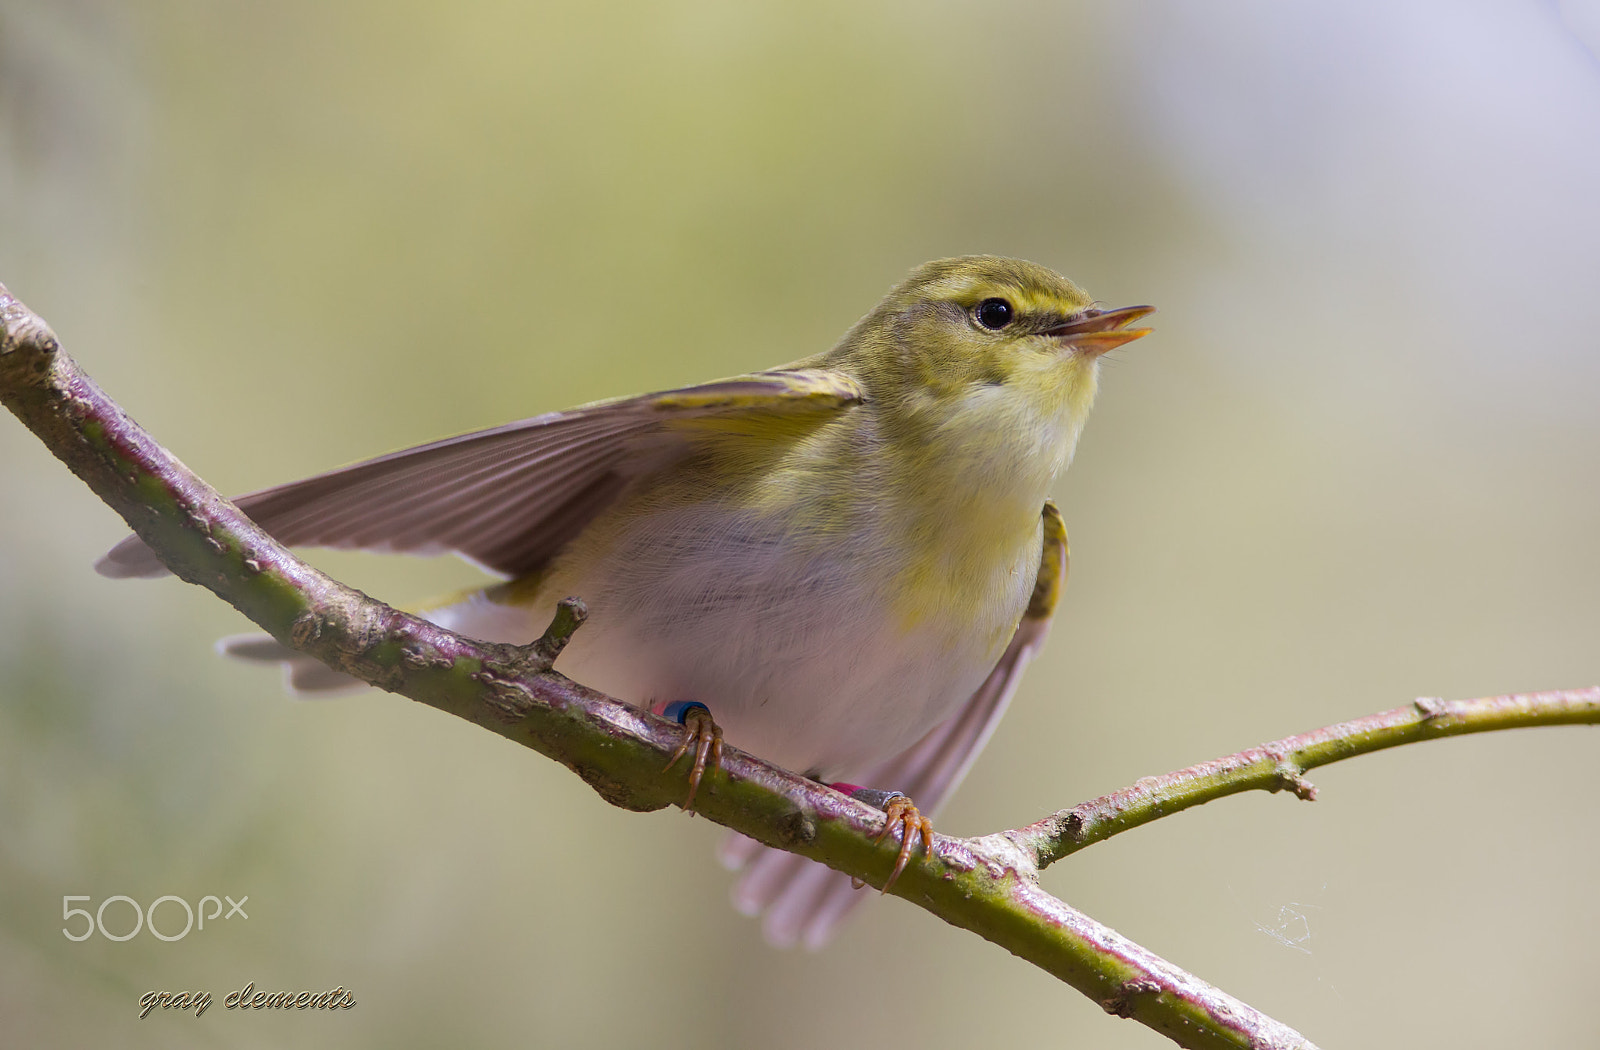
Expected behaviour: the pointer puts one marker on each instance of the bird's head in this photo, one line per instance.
(986, 349)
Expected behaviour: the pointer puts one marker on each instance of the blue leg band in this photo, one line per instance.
(679, 710)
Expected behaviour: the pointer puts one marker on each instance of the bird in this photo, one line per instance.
(841, 565)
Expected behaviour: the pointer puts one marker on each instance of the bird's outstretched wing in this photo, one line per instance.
(804, 901)
(509, 498)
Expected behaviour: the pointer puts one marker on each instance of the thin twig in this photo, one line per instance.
(1282, 764)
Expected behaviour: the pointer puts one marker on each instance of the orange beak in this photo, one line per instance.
(1096, 331)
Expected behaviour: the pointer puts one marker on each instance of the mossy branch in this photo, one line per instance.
(987, 885)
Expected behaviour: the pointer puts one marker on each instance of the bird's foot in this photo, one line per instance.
(702, 735)
(898, 812)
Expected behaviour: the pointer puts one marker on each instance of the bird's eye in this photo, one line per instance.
(994, 314)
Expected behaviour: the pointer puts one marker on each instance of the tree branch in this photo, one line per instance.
(987, 885)
(1282, 764)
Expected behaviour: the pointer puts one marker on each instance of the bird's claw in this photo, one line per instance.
(898, 812)
(704, 736)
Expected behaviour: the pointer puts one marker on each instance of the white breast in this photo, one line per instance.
(794, 648)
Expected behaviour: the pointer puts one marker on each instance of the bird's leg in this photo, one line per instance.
(898, 812)
(702, 734)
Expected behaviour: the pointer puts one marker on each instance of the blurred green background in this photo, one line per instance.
(1359, 462)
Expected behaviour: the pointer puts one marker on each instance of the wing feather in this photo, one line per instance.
(510, 497)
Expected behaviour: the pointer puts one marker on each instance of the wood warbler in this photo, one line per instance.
(847, 560)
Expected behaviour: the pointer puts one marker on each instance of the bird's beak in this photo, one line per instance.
(1096, 331)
